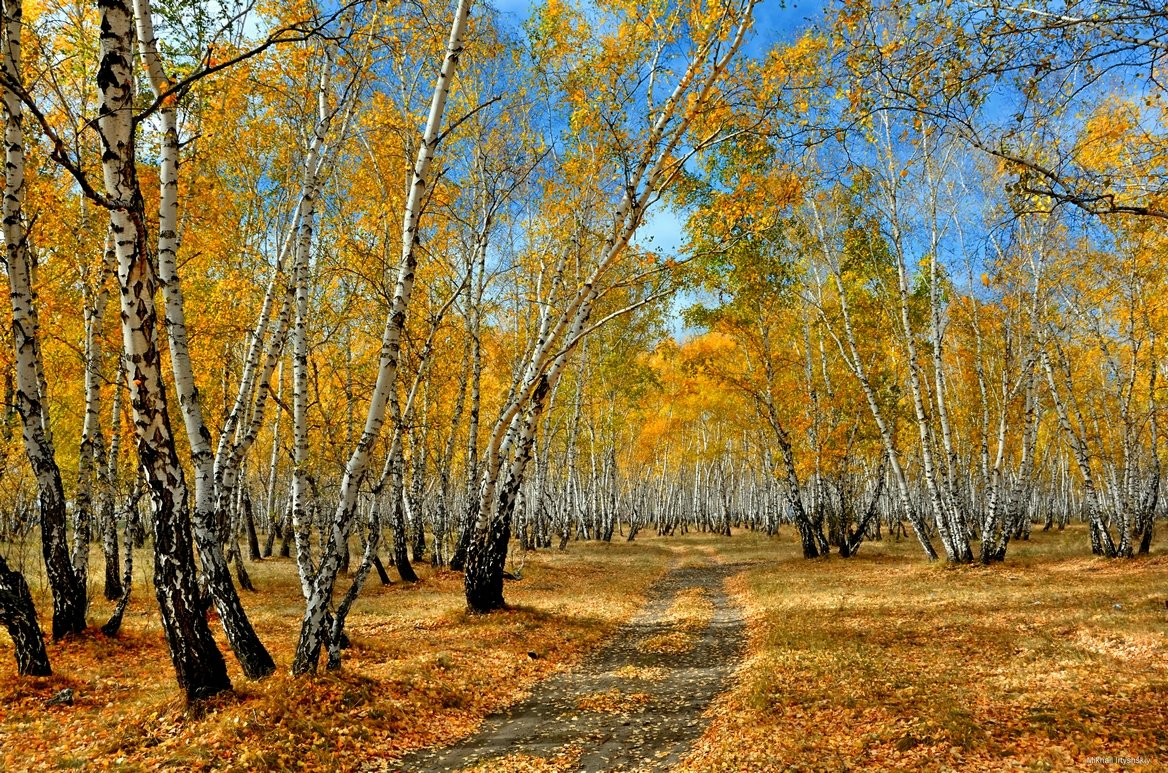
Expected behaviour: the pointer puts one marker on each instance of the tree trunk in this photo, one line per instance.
(108, 476)
(248, 649)
(487, 557)
(319, 588)
(199, 666)
(855, 364)
(401, 557)
(68, 587)
(18, 615)
(253, 539)
(114, 624)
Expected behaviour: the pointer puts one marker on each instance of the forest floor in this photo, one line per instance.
(1053, 661)
(637, 703)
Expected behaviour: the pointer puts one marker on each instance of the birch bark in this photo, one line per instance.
(209, 537)
(319, 589)
(199, 666)
(66, 583)
(855, 363)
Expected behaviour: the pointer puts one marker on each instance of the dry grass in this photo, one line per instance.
(421, 671)
(884, 662)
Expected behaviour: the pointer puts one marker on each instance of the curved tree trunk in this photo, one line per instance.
(246, 645)
(68, 587)
(319, 587)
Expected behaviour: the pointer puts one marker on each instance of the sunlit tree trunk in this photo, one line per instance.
(851, 355)
(209, 538)
(951, 541)
(810, 534)
(319, 590)
(399, 497)
(199, 666)
(1101, 542)
(67, 584)
(509, 449)
(270, 518)
(415, 491)
(488, 553)
(91, 454)
(1146, 517)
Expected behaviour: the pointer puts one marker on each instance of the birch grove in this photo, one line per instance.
(352, 296)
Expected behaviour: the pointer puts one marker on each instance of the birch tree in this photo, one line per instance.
(199, 666)
(70, 597)
(651, 163)
(245, 643)
(318, 584)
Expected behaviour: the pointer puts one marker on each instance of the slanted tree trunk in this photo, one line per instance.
(855, 363)
(487, 557)
(319, 587)
(955, 544)
(415, 490)
(851, 542)
(248, 649)
(18, 615)
(337, 636)
(273, 521)
(1101, 541)
(67, 585)
(559, 333)
(811, 536)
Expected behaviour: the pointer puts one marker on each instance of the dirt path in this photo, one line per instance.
(636, 704)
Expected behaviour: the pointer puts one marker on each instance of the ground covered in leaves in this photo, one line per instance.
(629, 706)
(1053, 661)
(420, 672)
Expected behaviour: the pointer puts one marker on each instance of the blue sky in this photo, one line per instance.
(663, 227)
(774, 21)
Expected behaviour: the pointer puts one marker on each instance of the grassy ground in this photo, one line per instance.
(1054, 661)
(420, 671)
(884, 661)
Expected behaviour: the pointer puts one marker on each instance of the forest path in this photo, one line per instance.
(635, 704)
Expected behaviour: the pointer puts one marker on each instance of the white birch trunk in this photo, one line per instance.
(66, 583)
(198, 663)
(321, 587)
(209, 537)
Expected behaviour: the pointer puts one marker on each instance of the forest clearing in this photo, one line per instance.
(888, 663)
(583, 384)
